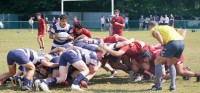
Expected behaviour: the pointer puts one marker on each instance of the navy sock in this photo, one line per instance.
(25, 81)
(86, 80)
(78, 79)
(51, 81)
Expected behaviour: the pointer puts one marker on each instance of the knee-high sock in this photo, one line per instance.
(172, 72)
(79, 77)
(51, 81)
(158, 74)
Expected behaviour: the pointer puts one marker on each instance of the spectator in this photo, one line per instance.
(141, 22)
(41, 31)
(47, 24)
(162, 19)
(102, 23)
(117, 23)
(151, 18)
(166, 20)
(126, 22)
(156, 18)
(58, 20)
(53, 21)
(75, 20)
(30, 21)
(171, 22)
(147, 20)
(107, 22)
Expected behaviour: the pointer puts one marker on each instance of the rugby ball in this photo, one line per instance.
(63, 36)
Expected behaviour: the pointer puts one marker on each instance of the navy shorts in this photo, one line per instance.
(23, 69)
(55, 60)
(17, 56)
(173, 49)
(68, 57)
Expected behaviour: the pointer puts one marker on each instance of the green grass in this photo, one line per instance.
(9, 39)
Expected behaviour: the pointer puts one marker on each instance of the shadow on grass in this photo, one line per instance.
(118, 90)
(101, 79)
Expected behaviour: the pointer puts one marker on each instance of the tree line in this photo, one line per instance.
(133, 8)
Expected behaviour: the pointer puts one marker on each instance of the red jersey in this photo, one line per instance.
(131, 51)
(83, 32)
(109, 39)
(116, 28)
(41, 23)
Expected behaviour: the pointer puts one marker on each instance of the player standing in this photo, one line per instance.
(61, 26)
(171, 52)
(117, 23)
(41, 31)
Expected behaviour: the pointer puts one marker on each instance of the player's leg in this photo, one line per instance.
(93, 69)
(180, 71)
(27, 80)
(81, 66)
(39, 41)
(11, 72)
(42, 41)
(63, 70)
(115, 63)
(158, 72)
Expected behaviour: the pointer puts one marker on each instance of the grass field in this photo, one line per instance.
(9, 39)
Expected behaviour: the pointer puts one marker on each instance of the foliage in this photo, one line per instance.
(133, 8)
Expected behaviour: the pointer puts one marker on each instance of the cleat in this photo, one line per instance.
(138, 78)
(44, 87)
(66, 83)
(83, 84)
(76, 87)
(113, 73)
(37, 85)
(154, 88)
(24, 88)
(3, 82)
(198, 79)
(172, 89)
(186, 77)
(132, 75)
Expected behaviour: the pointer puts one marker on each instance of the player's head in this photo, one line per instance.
(38, 15)
(75, 17)
(152, 24)
(116, 12)
(78, 28)
(100, 53)
(63, 20)
(146, 56)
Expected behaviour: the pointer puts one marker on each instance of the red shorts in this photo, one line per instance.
(40, 33)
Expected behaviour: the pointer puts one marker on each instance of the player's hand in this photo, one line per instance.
(131, 44)
(116, 23)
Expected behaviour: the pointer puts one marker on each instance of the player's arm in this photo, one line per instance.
(124, 43)
(112, 52)
(57, 50)
(182, 32)
(157, 35)
(88, 34)
(122, 24)
(49, 64)
(119, 38)
(44, 25)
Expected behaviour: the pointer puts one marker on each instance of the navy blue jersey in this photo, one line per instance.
(71, 56)
(23, 56)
